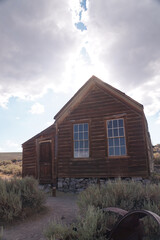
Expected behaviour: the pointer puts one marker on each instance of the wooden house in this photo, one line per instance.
(100, 133)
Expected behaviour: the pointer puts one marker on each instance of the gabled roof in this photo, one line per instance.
(45, 131)
(80, 94)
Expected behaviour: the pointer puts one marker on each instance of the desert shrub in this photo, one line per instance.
(58, 230)
(155, 178)
(156, 158)
(5, 162)
(92, 226)
(15, 170)
(92, 223)
(18, 197)
(11, 167)
(31, 196)
(126, 195)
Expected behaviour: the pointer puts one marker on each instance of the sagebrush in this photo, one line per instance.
(19, 197)
(92, 226)
(92, 222)
(11, 167)
(128, 195)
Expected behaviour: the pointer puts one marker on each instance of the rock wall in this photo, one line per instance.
(75, 184)
(79, 184)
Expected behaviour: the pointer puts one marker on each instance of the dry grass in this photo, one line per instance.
(10, 165)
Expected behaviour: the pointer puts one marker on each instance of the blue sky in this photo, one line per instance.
(49, 49)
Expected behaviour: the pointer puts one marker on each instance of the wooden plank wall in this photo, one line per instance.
(29, 160)
(29, 166)
(96, 107)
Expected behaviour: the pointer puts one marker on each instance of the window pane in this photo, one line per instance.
(110, 142)
(117, 152)
(116, 142)
(120, 121)
(122, 141)
(86, 127)
(81, 127)
(116, 137)
(111, 151)
(115, 132)
(109, 132)
(81, 136)
(76, 128)
(76, 145)
(123, 150)
(75, 136)
(75, 154)
(115, 123)
(109, 124)
(86, 144)
(86, 135)
(81, 144)
(86, 153)
(121, 132)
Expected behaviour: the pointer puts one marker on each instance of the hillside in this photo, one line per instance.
(10, 156)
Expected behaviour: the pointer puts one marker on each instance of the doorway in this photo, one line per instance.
(45, 161)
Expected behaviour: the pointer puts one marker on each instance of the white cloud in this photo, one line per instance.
(11, 145)
(124, 37)
(41, 48)
(158, 119)
(37, 108)
(37, 39)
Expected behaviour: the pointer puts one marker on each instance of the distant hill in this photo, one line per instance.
(10, 156)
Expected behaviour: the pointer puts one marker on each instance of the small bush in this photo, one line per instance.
(126, 195)
(58, 230)
(15, 170)
(92, 223)
(11, 167)
(18, 197)
(92, 226)
(156, 158)
(155, 178)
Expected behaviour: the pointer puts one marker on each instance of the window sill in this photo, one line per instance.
(119, 157)
(81, 159)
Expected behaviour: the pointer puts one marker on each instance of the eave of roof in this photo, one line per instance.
(85, 88)
(41, 133)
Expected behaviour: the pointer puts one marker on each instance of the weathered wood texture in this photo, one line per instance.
(29, 164)
(34, 162)
(96, 108)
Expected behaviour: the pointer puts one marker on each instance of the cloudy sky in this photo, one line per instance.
(50, 48)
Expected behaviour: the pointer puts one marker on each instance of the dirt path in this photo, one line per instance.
(62, 207)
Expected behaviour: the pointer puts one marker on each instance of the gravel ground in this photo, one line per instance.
(61, 207)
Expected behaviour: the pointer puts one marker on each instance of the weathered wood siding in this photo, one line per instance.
(29, 159)
(96, 108)
(30, 155)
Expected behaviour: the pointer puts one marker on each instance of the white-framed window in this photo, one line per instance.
(81, 140)
(116, 137)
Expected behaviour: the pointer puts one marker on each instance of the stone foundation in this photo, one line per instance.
(80, 184)
(75, 184)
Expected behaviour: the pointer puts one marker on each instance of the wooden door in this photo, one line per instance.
(45, 162)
